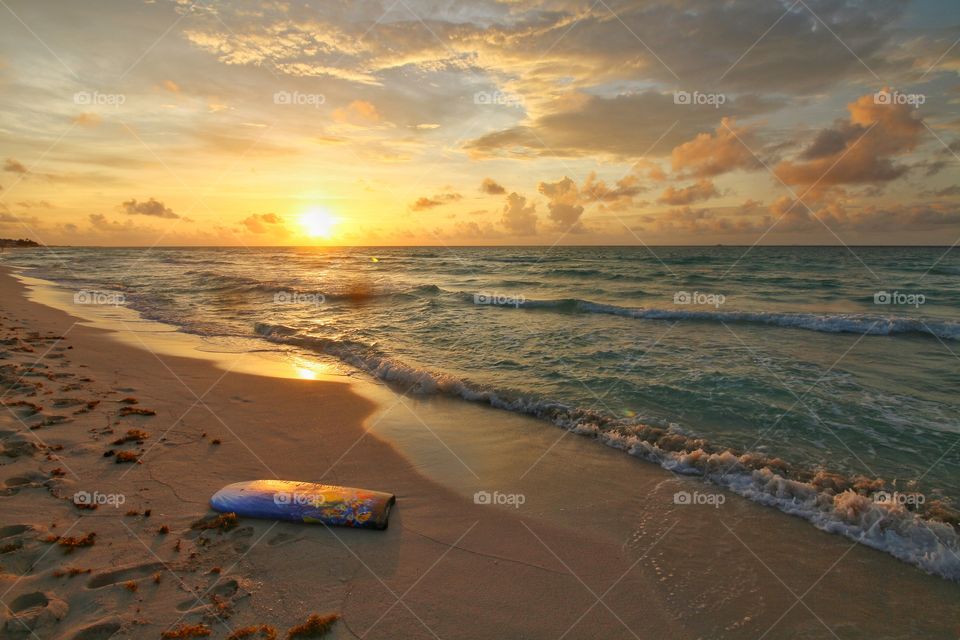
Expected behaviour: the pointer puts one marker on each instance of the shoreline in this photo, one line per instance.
(532, 570)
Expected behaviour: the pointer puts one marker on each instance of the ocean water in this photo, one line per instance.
(822, 381)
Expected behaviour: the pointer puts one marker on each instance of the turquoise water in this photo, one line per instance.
(828, 366)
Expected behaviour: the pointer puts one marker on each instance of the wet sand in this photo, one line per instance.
(597, 549)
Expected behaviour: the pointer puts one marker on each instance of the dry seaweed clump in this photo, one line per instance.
(222, 522)
(187, 631)
(133, 435)
(262, 631)
(316, 626)
(71, 543)
(126, 456)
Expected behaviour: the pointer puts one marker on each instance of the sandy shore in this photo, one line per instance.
(586, 556)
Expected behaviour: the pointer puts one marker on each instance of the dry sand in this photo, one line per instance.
(446, 567)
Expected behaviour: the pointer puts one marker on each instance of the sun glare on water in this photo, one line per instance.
(318, 223)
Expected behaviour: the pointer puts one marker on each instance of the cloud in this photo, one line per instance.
(837, 215)
(358, 112)
(697, 40)
(14, 166)
(264, 223)
(88, 120)
(707, 221)
(33, 204)
(472, 230)
(626, 126)
(710, 154)
(98, 219)
(491, 187)
(860, 150)
(8, 218)
(519, 218)
(619, 197)
(149, 208)
(701, 190)
(564, 209)
(171, 86)
(653, 170)
(100, 222)
(424, 203)
(951, 191)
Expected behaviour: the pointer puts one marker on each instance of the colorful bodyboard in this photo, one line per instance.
(305, 502)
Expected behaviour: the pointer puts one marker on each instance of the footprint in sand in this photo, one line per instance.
(23, 408)
(226, 592)
(282, 538)
(241, 539)
(98, 631)
(226, 588)
(14, 537)
(33, 612)
(31, 480)
(14, 530)
(61, 403)
(51, 420)
(125, 574)
(16, 446)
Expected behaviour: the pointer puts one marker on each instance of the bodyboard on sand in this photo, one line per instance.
(305, 502)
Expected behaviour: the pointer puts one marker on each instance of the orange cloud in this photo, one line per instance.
(424, 203)
(697, 221)
(619, 197)
(564, 210)
(713, 154)
(519, 218)
(13, 165)
(859, 151)
(264, 223)
(492, 187)
(700, 190)
(151, 207)
(358, 112)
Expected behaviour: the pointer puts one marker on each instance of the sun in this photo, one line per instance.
(318, 222)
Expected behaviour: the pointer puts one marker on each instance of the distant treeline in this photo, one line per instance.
(22, 242)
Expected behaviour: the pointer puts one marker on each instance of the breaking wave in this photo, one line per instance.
(853, 506)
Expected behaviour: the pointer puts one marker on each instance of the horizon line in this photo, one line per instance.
(484, 246)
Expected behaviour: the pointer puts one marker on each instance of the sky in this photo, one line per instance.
(429, 122)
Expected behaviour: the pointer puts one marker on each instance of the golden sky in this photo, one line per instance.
(171, 122)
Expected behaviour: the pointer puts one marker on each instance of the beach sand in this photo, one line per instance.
(597, 550)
